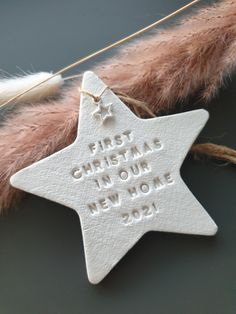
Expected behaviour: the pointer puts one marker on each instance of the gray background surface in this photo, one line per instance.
(42, 267)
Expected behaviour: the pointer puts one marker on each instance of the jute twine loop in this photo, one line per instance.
(211, 150)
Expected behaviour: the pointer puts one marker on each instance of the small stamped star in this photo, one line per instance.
(103, 112)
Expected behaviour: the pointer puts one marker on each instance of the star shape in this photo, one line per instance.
(103, 112)
(122, 178)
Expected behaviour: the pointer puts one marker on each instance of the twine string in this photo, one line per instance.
(96, 98)
(210, 150)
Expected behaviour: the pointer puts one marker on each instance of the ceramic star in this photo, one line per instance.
(103, 112)
(122, 178)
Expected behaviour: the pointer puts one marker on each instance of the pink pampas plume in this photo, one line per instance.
(190, 59)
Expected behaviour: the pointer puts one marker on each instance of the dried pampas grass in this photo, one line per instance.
(10, 87)
(190, 59)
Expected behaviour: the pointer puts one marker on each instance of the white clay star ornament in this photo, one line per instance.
(122, 178)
